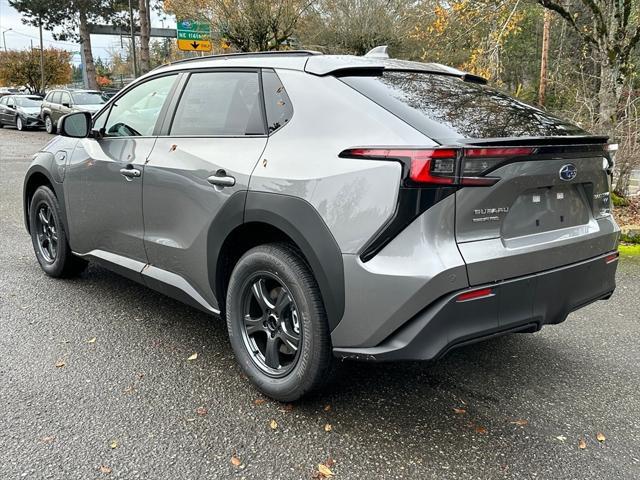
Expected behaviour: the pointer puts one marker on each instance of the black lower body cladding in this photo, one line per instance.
(520, 304)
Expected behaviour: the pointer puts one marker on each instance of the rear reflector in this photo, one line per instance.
(612, 257)
(475, 295)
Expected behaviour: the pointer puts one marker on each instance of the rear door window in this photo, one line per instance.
(65, 98)
(448, 108)
(276, 101)
(220, 104)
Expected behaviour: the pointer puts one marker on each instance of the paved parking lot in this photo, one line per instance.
(130, 405)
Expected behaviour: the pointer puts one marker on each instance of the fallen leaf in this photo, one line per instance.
(327, 408)
(48, 439)
(60, 363)
(562, 438)
(582, 444)
(92, 340)
(521, 422)
(113, 444)
(330, 462)
(235, 461)
(287, 407)
(105, 469)
(273, 424)
(324, 470)
(193, 357)
(202, 411)
(459, 411)
(259, 401)
(600, 436)
(327, 427)
(480, 429)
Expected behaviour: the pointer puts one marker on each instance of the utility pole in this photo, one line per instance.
(4, 40)
(133, 41)
(544, 60)
(41, 58)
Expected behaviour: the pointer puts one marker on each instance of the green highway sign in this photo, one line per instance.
(194, 36)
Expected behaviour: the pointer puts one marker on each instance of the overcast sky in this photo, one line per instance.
(20, 36)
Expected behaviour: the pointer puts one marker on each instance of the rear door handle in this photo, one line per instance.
(221, 179)
(130, 172)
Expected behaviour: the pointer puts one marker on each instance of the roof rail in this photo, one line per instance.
(293, 53)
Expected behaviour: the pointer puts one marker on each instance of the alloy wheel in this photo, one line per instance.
(271, 329)
(48, 124)
(19, 124)
(46, 233)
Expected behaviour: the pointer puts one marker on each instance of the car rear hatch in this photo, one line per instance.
(549, 206)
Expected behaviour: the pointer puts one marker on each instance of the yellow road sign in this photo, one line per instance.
(194, 45)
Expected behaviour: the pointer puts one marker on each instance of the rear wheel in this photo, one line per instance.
(277, 323)
(49, 237)
(48, 124)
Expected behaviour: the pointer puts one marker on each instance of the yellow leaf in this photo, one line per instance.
(521, 422)
(327, 427)
(273, 424)
(235, 461)
(259, 401)
(92, 340)
(114, 444)
(582, 444)
(324, 471)
(60, 363)
(193, 357)
(600, 436)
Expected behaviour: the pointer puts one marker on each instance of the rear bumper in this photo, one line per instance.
(520, 304)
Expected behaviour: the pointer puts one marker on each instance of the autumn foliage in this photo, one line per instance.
(22, 67)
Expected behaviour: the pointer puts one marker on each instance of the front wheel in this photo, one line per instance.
(277, 323)
(49, 125)
(49, 237)
(19, 124)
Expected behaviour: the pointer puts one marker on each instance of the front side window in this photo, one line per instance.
(220, 104)
(55, 98)
(276, 101)
(136, 112)
(11, 102)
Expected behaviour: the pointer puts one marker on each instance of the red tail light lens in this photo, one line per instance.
(612, 257)
(475, 295)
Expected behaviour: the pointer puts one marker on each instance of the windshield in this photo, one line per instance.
(28, 101)
(88, 98)
(448, 108)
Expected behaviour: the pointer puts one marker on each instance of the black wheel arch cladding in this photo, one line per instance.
(38, 173)
(297, 219)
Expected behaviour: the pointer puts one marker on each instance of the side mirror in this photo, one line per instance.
(66, 104)
(75, 125)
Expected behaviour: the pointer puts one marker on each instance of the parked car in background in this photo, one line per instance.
(8, 91)
(21, 111)
(63, 101)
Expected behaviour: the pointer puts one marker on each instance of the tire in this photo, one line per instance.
(19, 124)
(49, 126)
(293, 298)
(55, 257)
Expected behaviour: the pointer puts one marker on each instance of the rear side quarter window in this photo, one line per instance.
(277, 103)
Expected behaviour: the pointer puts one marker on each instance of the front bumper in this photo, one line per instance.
(32, 122)
(520, 304)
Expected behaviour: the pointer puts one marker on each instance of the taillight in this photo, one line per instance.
(612, 257)
(440, 165)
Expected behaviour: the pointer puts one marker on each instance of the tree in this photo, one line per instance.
(145, 33)
(63, 17)
(22, 67)
(248, 25)
(356, 26)
(612, 29)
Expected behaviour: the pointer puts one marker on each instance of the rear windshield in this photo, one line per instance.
(448, 108)
(88, 98)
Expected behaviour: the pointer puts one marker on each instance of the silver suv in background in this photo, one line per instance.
(331, 206)
(60, 102)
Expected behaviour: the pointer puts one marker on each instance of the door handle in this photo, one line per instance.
(130, 172)
(221, 179)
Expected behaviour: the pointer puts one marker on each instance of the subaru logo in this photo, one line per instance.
(568, 172)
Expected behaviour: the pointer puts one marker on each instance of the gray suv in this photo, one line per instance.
(331, 207)
(60, 102)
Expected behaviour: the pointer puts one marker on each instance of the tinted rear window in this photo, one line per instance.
(446, 108)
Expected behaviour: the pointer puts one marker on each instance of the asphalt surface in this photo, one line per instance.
(134, 386)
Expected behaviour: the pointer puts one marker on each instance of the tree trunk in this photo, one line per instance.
(544, 57)
(609, 95)
(85, 44)
(144, 36)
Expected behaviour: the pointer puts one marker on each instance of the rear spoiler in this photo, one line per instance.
(564, 141)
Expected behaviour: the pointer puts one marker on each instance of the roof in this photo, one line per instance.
(317, 64)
